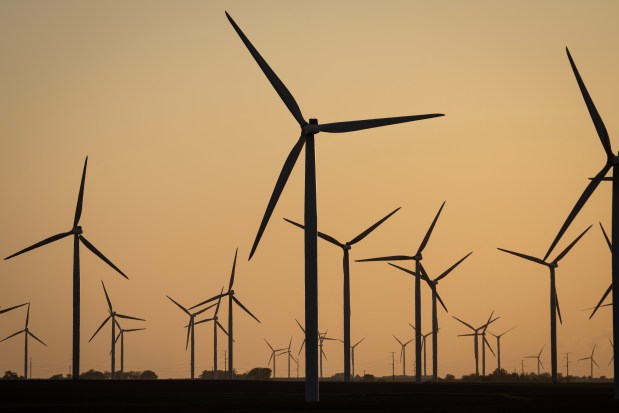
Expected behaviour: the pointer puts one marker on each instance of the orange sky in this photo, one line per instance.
(186, 138)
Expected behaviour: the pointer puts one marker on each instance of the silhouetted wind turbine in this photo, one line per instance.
(539, 360)
(610, 287)
(289, 355)
(6, 310)
(321, 340)
(352, 355)
(475, 335)
(435, 297)
(611, 162)
(190, 330)
(231, 299)
(591, 359)
(498, 346)
(274, 354)
(78, 237)
(484, 344)
(417, 258)
(121, 336)
(27, 333)
(554, 299)
(346, 246)
(308, 130)
(423, 347)
(216, 325)
(403, 353)
(613, 346)
(112, 316)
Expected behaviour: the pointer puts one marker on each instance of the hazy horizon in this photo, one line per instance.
(186, 137)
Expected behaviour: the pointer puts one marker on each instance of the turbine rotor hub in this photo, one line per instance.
(553, 265)
(418, 257)
(347, 247)
(77, 230)
(311, 128)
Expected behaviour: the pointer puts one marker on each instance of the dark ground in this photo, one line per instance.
(280, 396)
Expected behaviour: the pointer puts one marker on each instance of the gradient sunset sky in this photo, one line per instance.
(186, 137)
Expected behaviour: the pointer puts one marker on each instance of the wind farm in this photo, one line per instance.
(188, 184)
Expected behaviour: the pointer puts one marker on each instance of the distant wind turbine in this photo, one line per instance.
(216, 325)
(591, 360)
(274, 353)
(423, 347)
(190, 331)
(539, 360)
(78, 237)
(554, 299)
(121, 336)
(231, 299)
(435, 297)
(352, 355)
(308, 130)
(403, 353)
(610, 287)
(6, 310)
(498, 346)
(112, 316)
(27, 333)
(475, 335)
(321, 341)
(484, 344)
(346, 246)
(417, 258)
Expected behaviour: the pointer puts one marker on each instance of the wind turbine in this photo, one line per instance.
(121, 336)
(112, 316)
(321, 340)
(613, 346)
(231, 299)
(403, 353)
(78, 237)
(498, 346)
(610, 287)
(484, 344)
(27, 333)
(352, 355)
(475, 334)
(274, 354)
(435, 297)
(6, 310)
(611, 162)
(423, 347)
(346, 246)
(417, 258)
(216, 325)
(190, 330)
(554, 299)
(308, 130)
(591, 359)
(289, 356)
(539, 360)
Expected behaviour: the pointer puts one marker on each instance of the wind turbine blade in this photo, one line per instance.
(129, 317)
(320, 234)
(203, 321)
(372, 228)
(233, 270)
(28, 315)
(569, 247)
(584, 358)
(359, 342)
(107, 297)
(188, 333)
(595, 116)
(80, 196)
(355, 125)
(36, 338)
(398, 340)
(579, 204)
(388, 258)
(117, 323)
(593, 351)
(610, 245)
(117, 337)
(100, 327)
(429, 233)
(100, 255)
(594, 362)
(279, 187)
(41, 243)
(608, 291)
(270, 358)
(467, 335)
(541, 364)
(411, 272)
(466, 324)
(558, 307)
(244, 308)
(489, 346)
(6, 310)
(130, 330)
(221, 328)
(450, 269)
(179, 306)
(203, 310)
(401, 351)
(289, 344)
(219, 301)
(277, 84)
(300, 326)
(324, 354)
(500, 335)
(440, 300)
(265, 340)
(13, 335)
(540, 352)
(209, 300)
(485, 326)
(405, 344)
(526, 257)
(425, 276)
(300, 349)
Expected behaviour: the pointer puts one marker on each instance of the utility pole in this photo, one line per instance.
(392, 366)
(225, 364)
(522, 366)
(30, 367)
(567, 366)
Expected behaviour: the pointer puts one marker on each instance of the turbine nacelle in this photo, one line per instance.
(553, 265)
(311, 128)
(346, 247)
(417, 257)
(77, 230)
